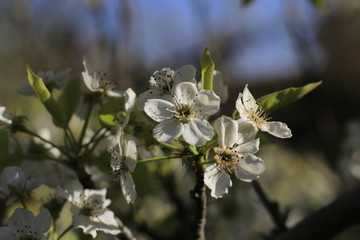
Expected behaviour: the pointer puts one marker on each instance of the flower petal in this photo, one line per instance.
(7, 233)
(248, 147)
(197, 131)
(42, 221)
(5, 118)
(131, 155)
(146, 95)
(245, 101)
(219, 88)
(168, 130)
(158, 109)
(249, 168)
(128, 187)
(207, 103)
(217, 180)
(185, 73)
(91, 83)
(185, 93)
(247, 131)
(277, 129)
(227, 130)
(130, 99)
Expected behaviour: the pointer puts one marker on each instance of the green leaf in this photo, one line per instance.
(113, 112)
(46, 98)
(207, 70)
(246, 2)
(70, 98)
(276, 100)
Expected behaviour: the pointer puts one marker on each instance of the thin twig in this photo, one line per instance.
(272, 208)
(126, 233)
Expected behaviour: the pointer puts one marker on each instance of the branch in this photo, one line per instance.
(272, 208)
(328, 221)
(126, 233)
(199, 195)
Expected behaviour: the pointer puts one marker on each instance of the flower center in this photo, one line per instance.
(29, 237)
(163, 80)
(257, 116)
(184, 113)
(87, 211)
(225, 157)
(104, 81)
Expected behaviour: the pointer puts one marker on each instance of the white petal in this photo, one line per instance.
(185, 93)
(185, 73)
(43, 221)
(84, 222)
(249, 168)
(227, 130)
(106, 223)
(219, 88)
(130, 99)
(207, 103)
(7, 233)
(168, 130)
(245, 102)
(131, 155)
(197, 131)
(277, 129)
(248, 147)
(128, 187)
(217, 180)
(246, 130)
(13, 176)
(4, 116)
(158, 109)
(148, 94)
(91, 83)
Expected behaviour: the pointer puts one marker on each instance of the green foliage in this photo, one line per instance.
(279, 99)
(207, 70)
(113, 112)
(46, 98)
(69, 99)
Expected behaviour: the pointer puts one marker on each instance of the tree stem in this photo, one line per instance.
(271, 207)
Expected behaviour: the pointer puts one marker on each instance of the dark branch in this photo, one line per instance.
(328, 221)
(272, 208)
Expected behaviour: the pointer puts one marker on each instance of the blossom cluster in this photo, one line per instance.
(179, 113)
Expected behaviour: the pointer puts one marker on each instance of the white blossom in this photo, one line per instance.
(184, 114)
(97, 81)
(14, 182)
(123, 163)
(235, 154)
(248, 109)
(23, 225)
(89, 209)
(5, 118)
(46, 134)
(219, 87)
(162, 83)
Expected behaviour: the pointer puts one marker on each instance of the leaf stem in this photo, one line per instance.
(86, 123)
(65, 232)
(170, 146)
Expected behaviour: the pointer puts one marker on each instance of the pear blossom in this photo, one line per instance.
(163, 81)
(99, 82)
(184, 114)
(89, 209)
(5, 118)
(24, 225)
(219, 87)
(46, 134)
(248, 109)
(123, 163)
(235, 154)
(14, 182)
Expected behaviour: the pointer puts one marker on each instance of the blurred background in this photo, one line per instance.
(270, 45)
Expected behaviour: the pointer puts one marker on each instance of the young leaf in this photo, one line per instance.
(111, 113)
(279, 99)
(69, 99)
(320, 4)
(207, 70)
(246, 2)
(45, 97)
